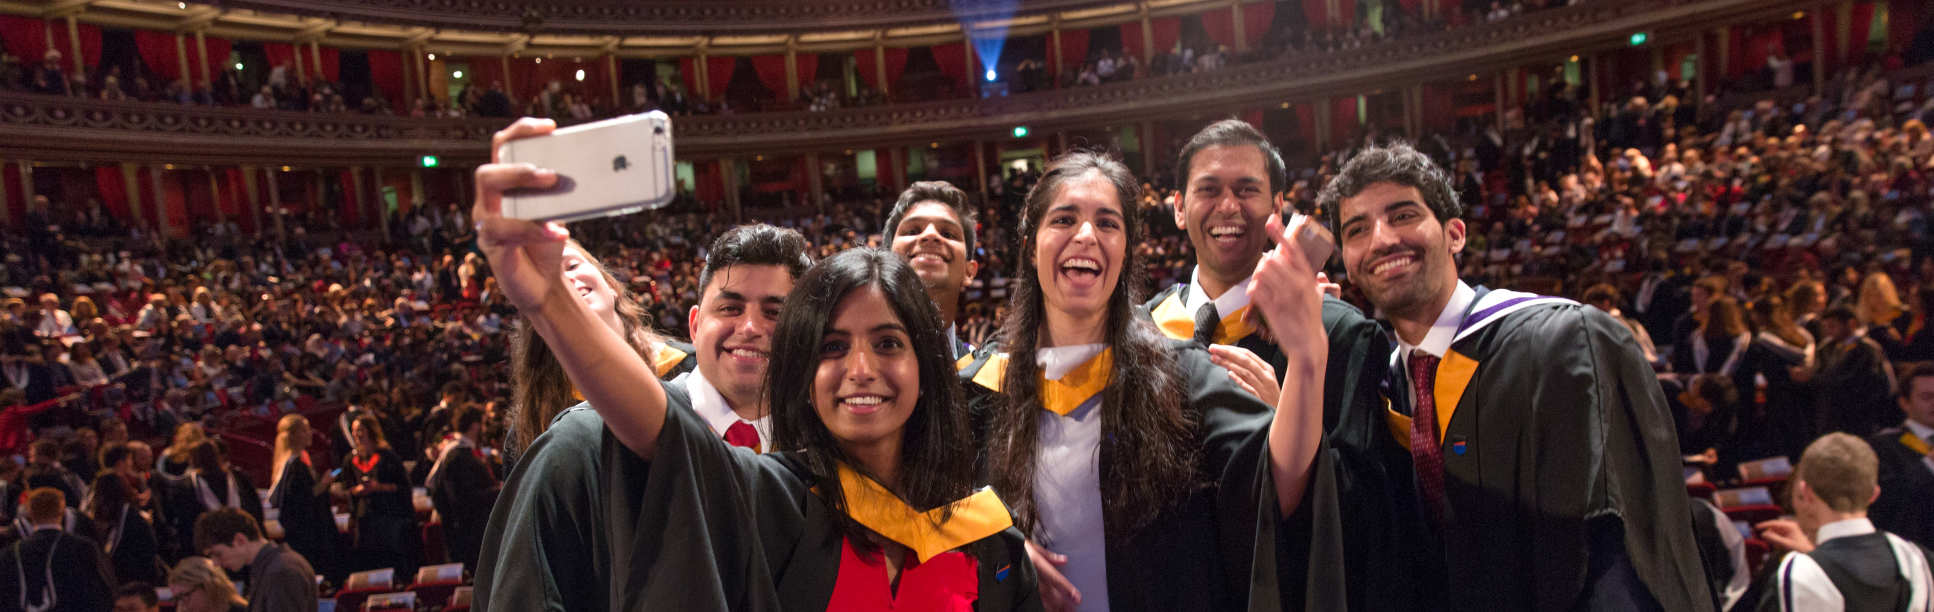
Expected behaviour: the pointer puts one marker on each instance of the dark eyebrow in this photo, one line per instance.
(890, 327)
(1388, 208)
(731, 295)
(774, 300)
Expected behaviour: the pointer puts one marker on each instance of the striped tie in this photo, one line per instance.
(1425, 452)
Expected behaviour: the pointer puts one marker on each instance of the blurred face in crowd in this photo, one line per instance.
(1917, 400)
(1080, 248)
(732, 328)
(1399, 252)
(365, 439)
(933, 242)
(231, 556)
(868, 379)
(1223, 209)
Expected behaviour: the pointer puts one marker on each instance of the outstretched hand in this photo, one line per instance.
(525, 256)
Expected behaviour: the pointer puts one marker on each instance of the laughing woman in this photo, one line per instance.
(1144, 477)
(868, 503)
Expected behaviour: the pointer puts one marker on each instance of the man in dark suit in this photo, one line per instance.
(51, 569)
(1906, 503)
(463, 487)
(1854, 382)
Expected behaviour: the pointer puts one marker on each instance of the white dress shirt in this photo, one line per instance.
(710, 405)
(1236, 298)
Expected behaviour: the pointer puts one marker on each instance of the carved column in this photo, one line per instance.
(377, 203)
(161, 225)
(315, 55)
(1699, 70)
(358, 195)
(816, 181)
(980, 167)
(1235, 19)
(252, 198)
(201, 52)
(504, 62)
(275, 206)
(879, 66)
(74, 40)
(215, 193)
(181, 55)
(130, 180)
(792, 69)
(617, 95)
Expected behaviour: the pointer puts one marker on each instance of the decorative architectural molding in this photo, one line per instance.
(69, 129)
(680, 17)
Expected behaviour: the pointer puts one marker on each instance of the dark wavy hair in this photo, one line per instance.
(1231, 133)
(539, 388)
(936, 454)
(1148, 449)
(1397, 163)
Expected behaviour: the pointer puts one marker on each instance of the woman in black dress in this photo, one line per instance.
(126, 535)
(379, 488)
(301, 499)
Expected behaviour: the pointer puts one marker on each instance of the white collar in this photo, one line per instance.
(1437, 341)
(1920, 431)
(953, 340)
(1057, 361)
(710, 405)
(1231, 301)
(1843, 528)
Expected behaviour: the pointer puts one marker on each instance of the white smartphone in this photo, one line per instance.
(606, 168)
(1316, 241)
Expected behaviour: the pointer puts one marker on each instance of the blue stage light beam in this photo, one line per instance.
(987, 42)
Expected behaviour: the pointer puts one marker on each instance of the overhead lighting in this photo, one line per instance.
(427, 161)
(991, 75)
(181, 5)
(1020, 131)
(1574, 59)
(432, 57)
(934, 145)
(457, 74)
(540, 60)
(168, 167)
(286, 168)
(580, 74)
(238, 65)
(1285, 106)
(1638, 38)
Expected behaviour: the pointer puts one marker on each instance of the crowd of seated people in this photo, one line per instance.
(1778, 261)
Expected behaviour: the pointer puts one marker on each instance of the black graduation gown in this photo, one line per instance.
(585, 524)
(185, 504)
(1906, 504)
(1559, 444)
(134, 548)
(308, 523)
(464, 492)
(80, 575)
(1223, 547)
(1352, 375)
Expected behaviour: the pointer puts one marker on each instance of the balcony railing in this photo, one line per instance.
(47, 128)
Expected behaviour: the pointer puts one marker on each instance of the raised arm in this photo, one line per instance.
(527, 258)
(1285, 290)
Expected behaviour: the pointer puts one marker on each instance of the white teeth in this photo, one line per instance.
(748, 354)
(1382, 267)
(1218, 232)
(1082, 263)
(865, 400)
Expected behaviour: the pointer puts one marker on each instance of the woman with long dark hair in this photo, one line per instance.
(540, 389)
(1141, 471)
(126, 535)
(868, 502)
(382, 516)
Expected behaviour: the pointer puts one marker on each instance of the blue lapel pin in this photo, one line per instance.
(1000, 575)
(1457, 446)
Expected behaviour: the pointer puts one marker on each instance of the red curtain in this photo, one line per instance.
(808, 65)
(1253, 117)
(199, 195)
(1436, 100)
(952, 58)
(1220, 25)
(1316, 14)
(228, 185)
(1256, 18)
(352, 202)
(158, 53)
(482, 71)
(1305, 123)
(331, 64)
(1862, 22)
(112, 189)
(1167, 31)
(711, 184)
(1903, 20)
(1343, 121)
(689, 74)
(887, 169)
(218, 49)
(386, 73)
(281, 54)
(772, 73)
(1074, 49)
(90, 44)
(896, 62)
(25, 37)
(718, 74)
(16, 193)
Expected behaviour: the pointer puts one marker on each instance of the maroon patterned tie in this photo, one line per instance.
(1425, 451)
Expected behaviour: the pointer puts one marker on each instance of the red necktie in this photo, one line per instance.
(742, 434)
(1425, 452)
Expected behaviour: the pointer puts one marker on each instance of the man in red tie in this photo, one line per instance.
(748, 272)
(1527, 455)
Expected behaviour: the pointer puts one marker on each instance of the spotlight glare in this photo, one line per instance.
(432, 57)
(990, 75)
(580, 74)
(457, 74)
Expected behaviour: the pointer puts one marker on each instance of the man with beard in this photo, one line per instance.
(932, 227)
(1527, 459)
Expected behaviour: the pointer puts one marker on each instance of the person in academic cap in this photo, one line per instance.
(1527, 459)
